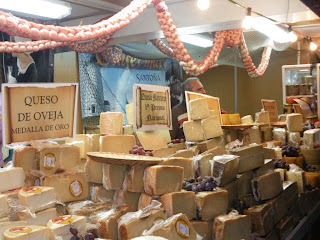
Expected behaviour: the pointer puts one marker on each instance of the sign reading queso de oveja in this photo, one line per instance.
(38, 111)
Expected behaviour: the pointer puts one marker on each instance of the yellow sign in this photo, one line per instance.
(270, 106)
(152, 108)
(38, 111)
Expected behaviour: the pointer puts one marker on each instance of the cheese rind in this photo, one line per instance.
(25, 158)
(225, 168)
(12, 177)
(113, 176)
(266, 168)
(179, 202)
(294, 122)
(27, 232)
(111, 123)
(159, 180)
(211, 204)
(37, 198)
(129, 198)
(94, 171)
(225, 119)
(186, 163)
(199, 109)
(4, 207)
(234, 119)
(267, 186)
(117, 144)
(68, 187)
(193, 131)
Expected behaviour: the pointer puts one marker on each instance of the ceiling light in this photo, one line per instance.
(313, 46)
(203, 4)
(246, 23)
(54, 9)
(196, 40)
(292, 36)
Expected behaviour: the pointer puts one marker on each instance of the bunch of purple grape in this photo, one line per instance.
(78, 236)
(199, 184)
(279, 163)
(138, 150)
(306, 167)
(175, 141)
(289, 151)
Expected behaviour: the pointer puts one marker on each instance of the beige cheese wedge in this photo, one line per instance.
(113, 176)
(129, 198)
(225, 168)
(94, 171)
(202, 228)
(4, 207)
(25, 158)
(12, 177)
(199, 109)
(133, 181)
(267, 186)
(117, 143)
(37, 198)
(41, 217)
(27, 232)
(186, 163)
(111, 123)
(100, 194)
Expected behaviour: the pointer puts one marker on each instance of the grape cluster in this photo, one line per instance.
(138, 150)
(307, 168)
(289, 151)
(175, 141)
(279, 163)
(199, 184)
(78, 236)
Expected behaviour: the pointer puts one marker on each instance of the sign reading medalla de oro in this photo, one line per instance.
(152, 108)
(38, 111)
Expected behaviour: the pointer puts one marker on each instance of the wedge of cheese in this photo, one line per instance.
(70, 158)
(232, 227)
(151, 140)
(25, 158)
(179, 202)
(211, 204)
(310, 137)
(263, 117)
(128, 130)
(185, 153)
(225, 119)
(199, 109)
(280, 134)
(246, 120)
(186, 163)
(85, 144)
(244, 184)
(68, 187)
(10, 224)
(159, 180)
(232, 189)
(211, 127)
(60, 227)
(234, 119)
(129, 113)
(4, 207)
(95, 141)
(87, 207)
(94, 171)
(163, 152)
(202, 228)
(117, 144)
(41, 217)
(111, 123)
(266, 168)
(145, 200)
(133, 181)
(267, 186)
(202, 165)
(113, 176)
(225, 168)
(49, 160)
(193, 131)
(212, 143)
(37, 198)
(131, 226)
(100, 194)
(294, 122)
(129, 198)
(27, 232)
(12, 177)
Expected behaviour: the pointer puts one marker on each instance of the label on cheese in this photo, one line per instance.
(182, 229)
(37, 182)
(20, 230)
(33, 190)
(49, 161)
(76, 188)
(63, 220)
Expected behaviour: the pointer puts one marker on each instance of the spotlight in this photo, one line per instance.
(203, 4)
(292, 35)
(313, 46)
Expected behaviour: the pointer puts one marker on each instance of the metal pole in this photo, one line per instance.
(235, 89)
(298, 53)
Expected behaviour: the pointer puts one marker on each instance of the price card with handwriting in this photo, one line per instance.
(38, 112)
(152, 108)
(270, 106)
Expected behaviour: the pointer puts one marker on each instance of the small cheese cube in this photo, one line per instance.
(211, 127)
(25, 158)
(113, 176)
(186, 163)
(251, 157)
(244, 184)
(130, 227)
(225, 119)
(310, 137)
(93, 171)
(176, 227)
(128, 130)
(212, 143)
(117, 144)
(159, 180)
(225, 168)
(179, 202)
(4, 207)
(202, 228)
(280, 134)
(68, 187)
(100, 194)
(294, 122)
(234, 119)
(111, 123)
(27, 232)
(193, 131)
(133, 181)
(261, 218)
(267, 186)
(247, 120)
(12, 177)
(85, 144)
(60, 227)
(211, 204)
(41, 217)
(37, 198)
(129, 198)
(202, 165)
(232, 227)
(263, 117)
(199, 109)
(163, 152)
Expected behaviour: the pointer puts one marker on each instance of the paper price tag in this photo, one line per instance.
(76, 188)
(183, 229)
(49, 161)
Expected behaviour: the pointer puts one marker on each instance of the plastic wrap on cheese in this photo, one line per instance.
(86, 207)
(201, 165)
